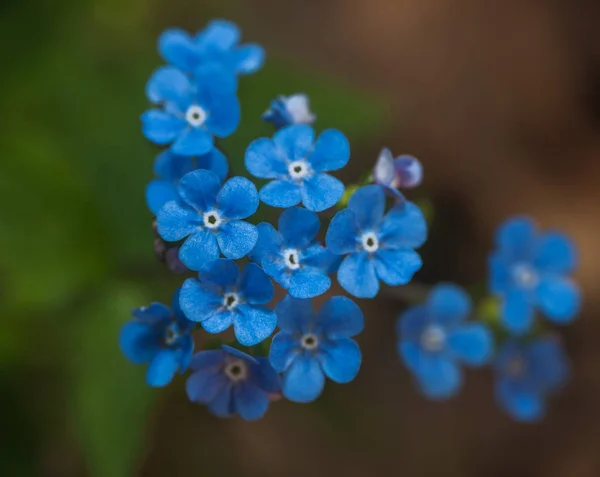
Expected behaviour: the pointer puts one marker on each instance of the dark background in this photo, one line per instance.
(500, 99)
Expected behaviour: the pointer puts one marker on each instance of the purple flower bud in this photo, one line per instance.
(403, 172)
(173, 263)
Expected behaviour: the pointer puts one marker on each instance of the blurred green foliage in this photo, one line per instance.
(75, 232)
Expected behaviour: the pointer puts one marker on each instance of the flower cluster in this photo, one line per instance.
(256, 277)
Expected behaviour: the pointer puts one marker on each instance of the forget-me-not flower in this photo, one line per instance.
(221, 296)
(297, 164)
(217, 44)
(310, 347)
(170, 168)
(526, 372)
(194, 110)
(229, 382)
(159, 336)
(210, 217)
(287, 111)
(403, 172)
(529, 270)
(434, 338)
(380, 246)
(291, 256)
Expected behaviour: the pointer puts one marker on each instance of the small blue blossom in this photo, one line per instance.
(435, 337)
(379, 247)
(404, 172)
(217, 44)
(170, 168)
(160, 337)
(194, 110)
(221, 296)
(297, 163)
(287, 111)
(209, 216)
(526, 372)
(310, 347)
(529, 271)
(231, 382)
(292, 257)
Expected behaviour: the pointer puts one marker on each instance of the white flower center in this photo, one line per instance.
(369, 242)
(231, 300)
(195, 116)
(525, 276)
(298, 169)
(171, 334)
(299, 110)
(433, 338)
(236, 370)
(309, 341)
(292, 260)
(212, 219)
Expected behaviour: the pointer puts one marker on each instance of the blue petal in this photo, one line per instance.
(516, 238)
(342, 233)
(410, 353)
(158, 193)
(218, 35)
(412, 322)
(214, 161)
(202, 386)
(308, 283)
(249, 59)
(171, 166)
(281, 193)
(295, 141)
(222, 272)
(293, 314)
(221, 320)
(331, 151)
(521, 403)
(408, 171)
(319, 257)
(177, 48)
(222, 403)
(517, 314)
(472, 344)
(298, 227)
(396, 267)
(559, 298)
(155, 314)
(139, 342)
(224, 115)
(193, 142)
(199, 250)
(168, 84)
(197, 301)
(265, 160)
(199, 189)
(160, 127)
(186, 348)
(255, 285)
(237, 238)
(368, 205)
(383, 172)
(253, 324)
(238, 199)
(277, 270)
(449, 304)
(304, 380)
(265, 377)
(403, 226)
(499, 275)
(176, 221)
(239, 354)
(339, 317)
(212, 359)
(249, 401)
(284, 348)
(439, 377)
(216, 87)
(321, 191)
(556, 253)
(340, 359)
(162, 368)
(269, 242)
(548, 364)
(357, 276)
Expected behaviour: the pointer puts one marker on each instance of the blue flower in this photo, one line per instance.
(310, 347)
(209, 216)
(231, 382)
(160, 337)
(527, 373)
(404, 172)
(435, 337)
(216, 44)
(287, 111)
(292, 257)
(529, 271)
(379, 247)
(170, 168)
(222, 296)
(298, 167)
(194, 110)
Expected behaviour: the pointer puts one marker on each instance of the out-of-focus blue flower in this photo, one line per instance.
(526, 373)
(231, 382)
(170, 168)
(160, 337)
(310, 347)
(404, 172)
(529, 271)
(435, 338)
(297, 164)
(217, 44)
(290, 110)
(379, 247)
(221, 296)
(194, 110)
(292, 257)
(209, 216)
